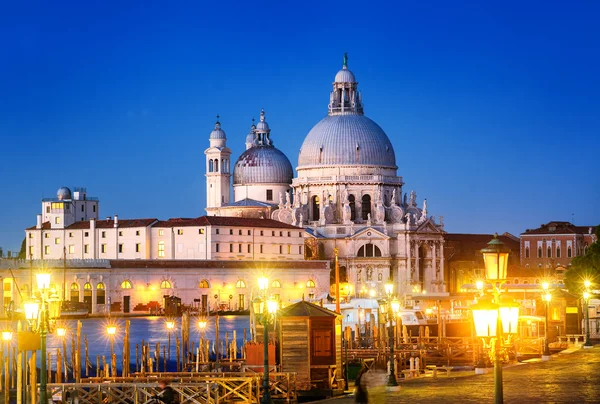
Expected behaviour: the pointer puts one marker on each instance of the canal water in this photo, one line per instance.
(150, 329)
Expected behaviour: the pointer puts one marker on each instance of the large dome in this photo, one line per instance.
(347, 140)
(262, 165)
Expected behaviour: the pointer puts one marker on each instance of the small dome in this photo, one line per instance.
(262, 165)
(345, 76)
(218, 133)
(262, 126)
(63, 193)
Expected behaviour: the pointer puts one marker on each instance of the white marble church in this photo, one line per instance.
(347, 194)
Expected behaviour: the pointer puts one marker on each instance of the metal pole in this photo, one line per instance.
(498, 392)
(588, 342)
(44, 374)
(546, 347)
(392, 376)
(337, 282)
(266, 398)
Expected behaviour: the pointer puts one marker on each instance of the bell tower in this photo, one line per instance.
(218, 174)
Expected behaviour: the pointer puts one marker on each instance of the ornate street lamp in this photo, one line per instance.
(389, 308)
(547, 297)
(495, 318)
(170, 324)
(266, 309)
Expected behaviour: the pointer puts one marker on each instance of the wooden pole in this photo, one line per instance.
(78, 354)
(48, 368)
(33, 376)
(58, 366)
(164, 358)
(137, 357)
(19, 371)
(65, 358)
(127, 350)
(87, 361)
(2, 361)
(6, 376)
(178, 353)
(98, 369)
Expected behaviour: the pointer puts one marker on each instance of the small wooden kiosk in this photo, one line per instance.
(310, 344)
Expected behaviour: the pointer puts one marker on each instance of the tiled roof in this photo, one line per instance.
(262, 265)
(306, 309)
(556, 227)
(45, 226)
(106, 224)
(225, 221)
(468, 246)
(247, 202)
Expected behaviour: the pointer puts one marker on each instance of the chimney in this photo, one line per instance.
(92, 224)
(116, 224)
(589, 230)
(38, 225)
(108, 218)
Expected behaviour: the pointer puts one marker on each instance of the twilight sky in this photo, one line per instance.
(492, 107)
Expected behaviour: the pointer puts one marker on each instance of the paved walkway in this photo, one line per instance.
(566, 378)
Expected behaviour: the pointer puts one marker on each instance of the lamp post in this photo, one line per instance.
(265, 308)
(586, 300)
(36, 313)
(389, 308)
(7, 335)
(494, 318)
(547, 296)
(111, 330)
(170, 324)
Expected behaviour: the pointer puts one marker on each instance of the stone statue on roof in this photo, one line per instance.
(345, 59)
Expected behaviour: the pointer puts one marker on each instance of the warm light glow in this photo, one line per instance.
(587, 283)
(272, 306)
(395, 305)
(170, 324)
(43, 280)
(61, 331)
(202, 324)
(495, 257)
(424, 292)
(509, 314)
(548, 297)
(586, 295)
(545, 285)
(111, 329)
(263, 283)
(485, 317)
(7, 335)
(372, 292)
(428, 311)
(389, 288)
(31, 310)
(479, 285)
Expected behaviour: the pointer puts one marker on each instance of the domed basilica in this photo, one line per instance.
(346, 195)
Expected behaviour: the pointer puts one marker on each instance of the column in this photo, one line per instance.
(94, 294)
(433, 271)
(442, 278)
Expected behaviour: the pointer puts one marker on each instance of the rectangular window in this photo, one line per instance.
(280, 234)
(47, 209)
(299, 234)
(71, 234)
(31, 251)
(179, 232)
(289, 234)
(240, 248)
(557, 252)
(161, 249)
(289, 249)
(273, 233)
(217, 247)
(300, 249)
(249, 248)
(47, 250)
(569, 252)
(137, 232)
(86, 234)
(57, 240)
(30, 235)
(280, 249)
(82, 207)
(86, 248)
(161, 232)
(71, 249)
(120, 234)
(94, 208)
(217, 231)
(240, 232)
(58, 205)
(103, 234)
(269, 194)
(261, 233)
(549, 252)
(103, 248)
(57, 220)
(138, 247)
(120, 248)
(200, 231)
(249, 232)
(47, 235)
(230, 247)
(231, 232)
(261, 248)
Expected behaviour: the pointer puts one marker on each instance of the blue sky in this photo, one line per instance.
(492, 107)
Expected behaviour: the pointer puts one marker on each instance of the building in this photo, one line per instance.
(555, 244)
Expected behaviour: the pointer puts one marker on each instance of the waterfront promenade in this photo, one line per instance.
(566, 378)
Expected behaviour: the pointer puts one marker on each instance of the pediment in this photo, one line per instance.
(369, 233)
(428, 227)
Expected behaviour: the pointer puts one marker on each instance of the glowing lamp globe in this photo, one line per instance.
(61, 332)
(170, 324)
(395, 304)
(202, 324)
(257, 305)
(485, 318)
(7, 335)
(263, 283)
(32, 309)
(389, 288)
(43, 280)
(586, 295)
(509, 315)
(547, 297)
(479, 285)
(111, 329)
(495, 258)
(545, 285)
(272, 306)
(587, 283)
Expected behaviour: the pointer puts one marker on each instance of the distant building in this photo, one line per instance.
(554, 244)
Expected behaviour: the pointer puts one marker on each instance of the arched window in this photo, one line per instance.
(240, 284)
(210, 166)
(549, 252)
(74, 292)
(315, 208)
(310, 283)
(557, 252)
(516, 281)
(539, 252)
(216, 165)
(165, 284)
(204, 284)
(126, 284)
(366, 207)
(276, 284)
(87, 286)
(526, 252)
(569, 252)
(369, 250)
(100, 286)
(100, 294)
(352, 204)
